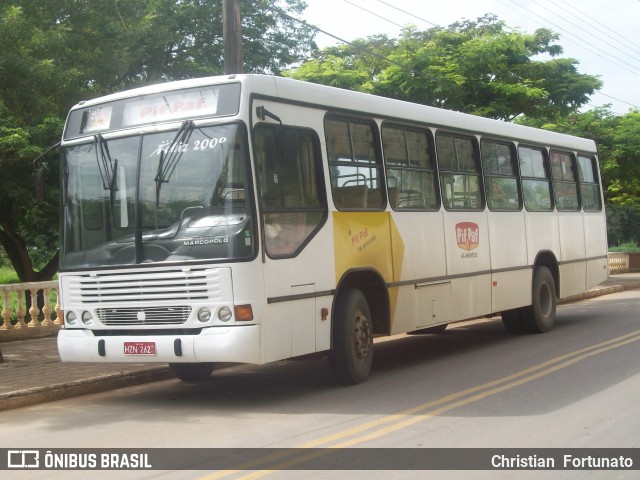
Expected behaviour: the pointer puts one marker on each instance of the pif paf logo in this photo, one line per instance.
(468, 235)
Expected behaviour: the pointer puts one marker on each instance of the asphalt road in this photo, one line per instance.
(475, 386)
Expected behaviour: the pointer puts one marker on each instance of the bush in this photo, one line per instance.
(629, 247)
(623, 225)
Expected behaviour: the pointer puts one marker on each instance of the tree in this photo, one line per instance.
(475, 67)
(617, 137)
(58, 52)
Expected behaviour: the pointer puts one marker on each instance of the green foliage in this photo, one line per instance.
(8, 275)
(475, 67)
(629, 247)
(58, 52)
(617, 138)
(623, 225)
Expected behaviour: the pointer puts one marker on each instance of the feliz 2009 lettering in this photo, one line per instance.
(198, 145)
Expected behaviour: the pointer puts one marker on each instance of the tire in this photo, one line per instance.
(430, 330)
(351, 354)
(513, 322)
(192, 372)
(540, 316)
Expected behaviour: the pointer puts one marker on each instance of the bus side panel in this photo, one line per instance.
(542, 235)
(507, 238)
(467, 243)
(421, 305)
(572, 249)
(595, 234)
(248, 289)
(422, 233)
(433, 304)
(511, 289)
(293, 325)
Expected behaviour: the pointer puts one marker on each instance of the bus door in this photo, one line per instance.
(296, 249)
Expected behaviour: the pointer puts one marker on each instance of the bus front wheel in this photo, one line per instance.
(351, 354)
(192, 372)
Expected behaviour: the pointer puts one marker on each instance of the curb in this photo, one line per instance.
(61, 391)
(598, 292)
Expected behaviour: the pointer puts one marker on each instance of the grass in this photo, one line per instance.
(8, 275)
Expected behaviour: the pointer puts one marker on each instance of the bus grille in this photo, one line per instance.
(150, 288)
(144, 316)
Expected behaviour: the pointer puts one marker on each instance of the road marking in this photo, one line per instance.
(408, 417)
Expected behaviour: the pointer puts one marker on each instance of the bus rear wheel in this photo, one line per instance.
(540, 316)
(192, 372)
(351, 354)
(513, 321)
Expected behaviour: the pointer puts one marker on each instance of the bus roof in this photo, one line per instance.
(345, 100)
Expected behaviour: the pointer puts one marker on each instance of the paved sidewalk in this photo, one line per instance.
(32, 372)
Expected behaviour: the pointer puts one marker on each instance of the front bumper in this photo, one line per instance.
(238, 344)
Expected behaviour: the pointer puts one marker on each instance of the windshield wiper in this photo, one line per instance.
(106, 166)
(169, 158)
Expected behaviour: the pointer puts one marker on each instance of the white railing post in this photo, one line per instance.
(14, 321)
(34, 311)
(6, 312)
(618, 262)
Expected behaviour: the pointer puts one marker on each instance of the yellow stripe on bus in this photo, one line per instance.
(368, 240)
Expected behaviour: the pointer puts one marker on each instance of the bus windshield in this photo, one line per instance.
(161, 197)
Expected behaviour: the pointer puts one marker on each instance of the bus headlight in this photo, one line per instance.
(204, 314)
(225, 314)
(87, 319)
(71, 318)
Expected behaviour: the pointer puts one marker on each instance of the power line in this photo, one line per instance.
(351, 44)
(592, 47)
(618, 100)
(408, 13)
(596, 23)
(376, 15)
(404, 67)
(578, 26)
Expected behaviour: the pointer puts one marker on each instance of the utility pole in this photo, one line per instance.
(232, 34)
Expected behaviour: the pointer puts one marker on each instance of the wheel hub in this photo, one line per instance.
(362, 337)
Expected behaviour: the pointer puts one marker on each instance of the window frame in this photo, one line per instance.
(560, 182)
(596, 181)
(547, 178)
(407, 167)
(466, 173)
(377, 164)
(320, 186)
(515, 173)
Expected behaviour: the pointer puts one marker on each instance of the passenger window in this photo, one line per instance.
(589, 190)
(354, 164)
(565, 186)
(411, 174)
(459, 172)
(289, 178)
(500, 179)
(536, 184)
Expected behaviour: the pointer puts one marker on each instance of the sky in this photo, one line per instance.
(604, 36)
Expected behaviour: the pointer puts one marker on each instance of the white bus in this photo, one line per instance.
(252, 219)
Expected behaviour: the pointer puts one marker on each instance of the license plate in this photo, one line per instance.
(139, 348)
